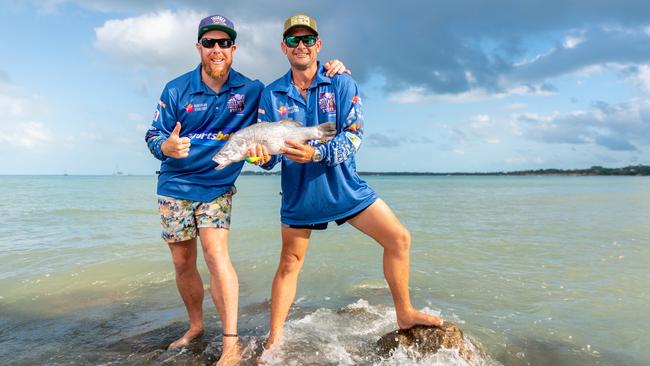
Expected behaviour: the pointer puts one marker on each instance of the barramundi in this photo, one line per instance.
(272, 135)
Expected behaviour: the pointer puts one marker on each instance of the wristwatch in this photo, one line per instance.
(317, 157)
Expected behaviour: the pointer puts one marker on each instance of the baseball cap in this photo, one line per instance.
(299, 20)
(217, 22)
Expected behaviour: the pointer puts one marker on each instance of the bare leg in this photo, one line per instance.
(190, 287)
(379, 222)
(224, 288)
(294, 248)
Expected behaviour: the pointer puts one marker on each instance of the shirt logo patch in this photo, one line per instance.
(284, 110)
(327, 102)
(236, 103)
(356, 99)
(261, 111)
(155, 115)
(354, 139)
(189, 108)
(162, 104)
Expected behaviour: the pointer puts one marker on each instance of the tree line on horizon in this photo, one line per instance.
(632, 170)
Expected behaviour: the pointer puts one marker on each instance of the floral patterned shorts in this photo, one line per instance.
(181, 218)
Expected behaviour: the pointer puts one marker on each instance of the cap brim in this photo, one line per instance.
(231, 32)
(298, 26)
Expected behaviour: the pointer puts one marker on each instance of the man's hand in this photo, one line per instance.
(260, 152)
(300, 153)
(334, 67)
(175, 146)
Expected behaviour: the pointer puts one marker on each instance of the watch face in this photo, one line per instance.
(317, 156)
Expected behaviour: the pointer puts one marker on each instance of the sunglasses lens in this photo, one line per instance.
(225, 43)
(222, 42)
(208, 42)
(292, 41)
(309, 40)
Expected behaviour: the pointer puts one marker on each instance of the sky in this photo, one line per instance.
(462, 86)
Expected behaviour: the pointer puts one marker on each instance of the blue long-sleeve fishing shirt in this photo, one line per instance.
(330, 189)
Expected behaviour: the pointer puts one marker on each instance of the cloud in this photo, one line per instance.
(440, 51)
(53, 6)
(599, 47)
(572, 41)
(164, 40)
(640, 77)
(383, 140)
(4, 77)
(516, 106)
(154, 40)
(615, 127)
(521, 160)
(20, 126)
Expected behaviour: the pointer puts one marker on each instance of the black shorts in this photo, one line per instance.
(323, 225)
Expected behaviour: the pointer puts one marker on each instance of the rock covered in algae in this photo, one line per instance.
(426, 340)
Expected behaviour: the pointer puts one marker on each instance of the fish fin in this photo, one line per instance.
(328, 130)
(290, 122)
(219, 166)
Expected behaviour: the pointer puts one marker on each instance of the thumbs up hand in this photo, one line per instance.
(175, 146)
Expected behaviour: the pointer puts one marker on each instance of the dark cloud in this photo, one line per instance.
(598, 47)
(450, 47)
(615, 143)
(616, 127)
(453, 47)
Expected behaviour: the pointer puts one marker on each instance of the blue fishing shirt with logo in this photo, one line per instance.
(331, 189)
(208, 119)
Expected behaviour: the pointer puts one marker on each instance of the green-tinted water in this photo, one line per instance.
(539, 270)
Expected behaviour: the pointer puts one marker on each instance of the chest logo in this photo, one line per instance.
(284, 110)
(236, 103)
(327, 102)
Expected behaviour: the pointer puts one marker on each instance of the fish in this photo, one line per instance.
(272, 135)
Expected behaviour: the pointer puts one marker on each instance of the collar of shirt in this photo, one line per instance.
(197, 85)
(286, 86)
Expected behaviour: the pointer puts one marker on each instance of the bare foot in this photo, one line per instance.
(269, 343)
(412, 317)
(270, 348)
(186, 339)
(230, 356)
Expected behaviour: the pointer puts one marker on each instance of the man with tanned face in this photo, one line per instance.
(319, 179)
(196, 114)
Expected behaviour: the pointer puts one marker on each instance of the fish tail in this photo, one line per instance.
(328, 130)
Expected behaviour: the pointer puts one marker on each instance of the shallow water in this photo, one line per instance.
(536, 270)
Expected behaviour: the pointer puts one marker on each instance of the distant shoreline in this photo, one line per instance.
(633, 170)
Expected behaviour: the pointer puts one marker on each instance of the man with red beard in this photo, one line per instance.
(196, 114)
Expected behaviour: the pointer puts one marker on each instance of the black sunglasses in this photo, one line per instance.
(222, 42)
(294, 41)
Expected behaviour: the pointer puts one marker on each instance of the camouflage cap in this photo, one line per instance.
(299, 20)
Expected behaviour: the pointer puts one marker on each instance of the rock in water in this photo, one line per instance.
(426, 340)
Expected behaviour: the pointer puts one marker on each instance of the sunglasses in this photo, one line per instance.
(294, 41)
(222, 42)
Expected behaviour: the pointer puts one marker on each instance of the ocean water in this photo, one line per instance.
(535, 270)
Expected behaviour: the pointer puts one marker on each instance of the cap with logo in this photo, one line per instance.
(217, 22)
(299, 20)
